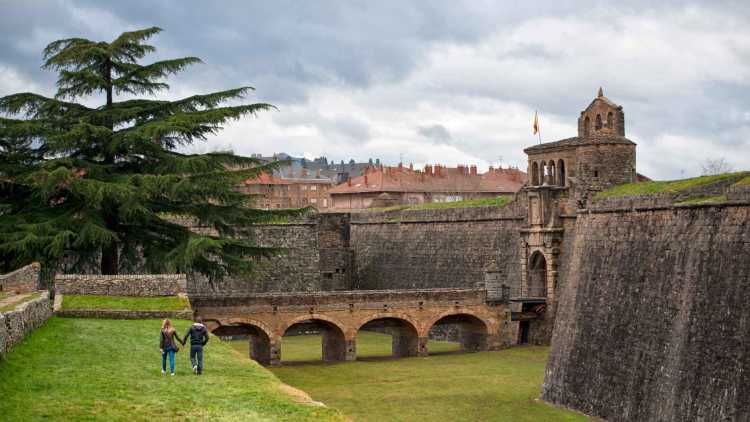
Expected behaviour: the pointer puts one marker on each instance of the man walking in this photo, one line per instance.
(198, 338)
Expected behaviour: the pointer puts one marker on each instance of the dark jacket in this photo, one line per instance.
(198, 335)
(169, 340)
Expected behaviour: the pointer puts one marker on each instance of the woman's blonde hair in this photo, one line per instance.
(167, 325)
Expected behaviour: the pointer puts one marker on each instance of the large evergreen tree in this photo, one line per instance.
(101, 186)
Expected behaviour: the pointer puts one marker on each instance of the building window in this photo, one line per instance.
(586, 127)
(313, 187)
(313, 201)
(304, 187)
(598, 122)
(325, 203)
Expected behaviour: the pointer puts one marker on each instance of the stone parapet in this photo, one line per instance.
(114, 314)
(121, 285)
(16, 324)
(22, 280)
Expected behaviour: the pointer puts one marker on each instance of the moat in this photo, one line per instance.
(446, 386)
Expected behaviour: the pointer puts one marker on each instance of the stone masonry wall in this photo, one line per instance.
(22, 280)
(121, 285)
(653, 319)
(314, 256)
(16, 324)
(438, 248)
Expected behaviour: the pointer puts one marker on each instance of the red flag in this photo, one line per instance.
(536, 123)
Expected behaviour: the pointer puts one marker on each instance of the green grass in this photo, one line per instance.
(487, 386)
(485, 202)
(369, 344)
(3, 295)
(743, 182)
(12, 306)
(653, 187)
(125, 303)
(109, 370)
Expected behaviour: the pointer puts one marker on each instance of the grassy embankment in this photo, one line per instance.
(487, 386)
(469, 203)
(671, 186)
(109, 370)
(125, 303)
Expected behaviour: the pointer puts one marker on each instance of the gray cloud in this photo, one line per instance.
(357, 78)
(436, 133)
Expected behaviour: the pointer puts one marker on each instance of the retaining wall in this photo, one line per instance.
(114, 314)
(121, 285)
(16, 324)
(22, 280)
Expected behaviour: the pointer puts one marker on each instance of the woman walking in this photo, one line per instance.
(168, 346)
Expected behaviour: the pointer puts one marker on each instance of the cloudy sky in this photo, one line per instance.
(442, 82)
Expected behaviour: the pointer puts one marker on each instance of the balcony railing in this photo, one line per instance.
(505, 293)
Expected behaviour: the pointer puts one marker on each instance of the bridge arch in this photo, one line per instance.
(471, 330)
(402, 329)
(260, 336)
(334, 344)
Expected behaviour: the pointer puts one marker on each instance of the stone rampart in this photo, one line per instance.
(16, 324)
(653, 319)
(437, 248)
(314, 255)
(22, 280)
(121, 285)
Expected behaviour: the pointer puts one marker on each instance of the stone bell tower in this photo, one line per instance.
(601, 118)
(564, 175)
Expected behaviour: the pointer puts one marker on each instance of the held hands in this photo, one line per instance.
(161, 350)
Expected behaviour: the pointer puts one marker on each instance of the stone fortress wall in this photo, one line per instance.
(652, 321)
(314, 255)
(438, 248)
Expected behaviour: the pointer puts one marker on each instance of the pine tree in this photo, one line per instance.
(100, 187)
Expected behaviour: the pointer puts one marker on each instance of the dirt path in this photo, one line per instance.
(12, 300)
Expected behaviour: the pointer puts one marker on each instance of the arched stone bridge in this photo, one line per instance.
(408, 315)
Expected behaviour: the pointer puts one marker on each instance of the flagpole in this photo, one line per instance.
(538, 126)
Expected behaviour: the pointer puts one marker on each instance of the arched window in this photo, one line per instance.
(534, 174)
(537, 276)
(586, 127)
(542, 172)
(609, 120)
(561, 173)
(598, 122)
(552, 173)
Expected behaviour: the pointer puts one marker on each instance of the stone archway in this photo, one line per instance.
(260, 349)
(333, 339)
(405, 340)
(537, 276)
(469, 330)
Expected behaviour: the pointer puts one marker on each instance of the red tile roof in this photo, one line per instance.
(434, 179)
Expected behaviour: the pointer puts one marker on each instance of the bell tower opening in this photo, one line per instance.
(606, 117)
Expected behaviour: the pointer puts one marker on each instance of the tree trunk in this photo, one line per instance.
(110, 263)
(110, 258)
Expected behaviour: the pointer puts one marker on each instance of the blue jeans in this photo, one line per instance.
(164, 354)
(196, 351)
